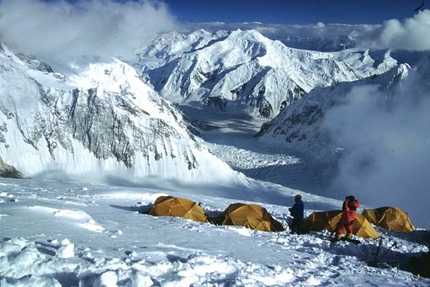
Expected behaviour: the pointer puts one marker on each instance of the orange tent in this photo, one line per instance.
(391, 218)
(251, 216)
(328, 220)
(180, 207)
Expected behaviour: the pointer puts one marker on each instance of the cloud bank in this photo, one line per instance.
(410, 34)
(95, 28)
(387, 138)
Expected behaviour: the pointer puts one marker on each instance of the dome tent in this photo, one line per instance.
(178, 207)
(390, 218)
(251, 216)
(328, 220)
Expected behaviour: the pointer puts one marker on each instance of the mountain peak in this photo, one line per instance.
(249, 72)
(102, 122)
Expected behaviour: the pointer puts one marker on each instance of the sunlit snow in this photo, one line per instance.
(73, 234)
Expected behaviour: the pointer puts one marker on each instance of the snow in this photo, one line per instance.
(244, 66)
(43, 139)
(70, 233)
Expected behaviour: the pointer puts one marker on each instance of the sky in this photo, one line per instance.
(293, 11)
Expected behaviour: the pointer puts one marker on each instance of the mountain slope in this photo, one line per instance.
(243, 71)
(301, 125)
(101, 122)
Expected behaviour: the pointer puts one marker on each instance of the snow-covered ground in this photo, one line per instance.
(63, 233)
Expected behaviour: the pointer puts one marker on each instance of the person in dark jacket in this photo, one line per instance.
(349, 212)
(297, 212)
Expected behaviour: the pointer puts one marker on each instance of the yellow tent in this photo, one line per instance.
(251, 216)
(391, 218)
(328, 220)
(179, 207)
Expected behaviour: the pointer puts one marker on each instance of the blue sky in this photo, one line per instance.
(293, 11)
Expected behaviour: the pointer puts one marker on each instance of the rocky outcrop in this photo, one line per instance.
(9, 171)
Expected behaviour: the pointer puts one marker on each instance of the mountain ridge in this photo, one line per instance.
(301, 122)
(105, 114)
(248, 71)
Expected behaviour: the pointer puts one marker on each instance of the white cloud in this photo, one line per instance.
(411, 34)
(100, 28)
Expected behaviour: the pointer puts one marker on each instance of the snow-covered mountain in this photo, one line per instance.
(248, 72)
(102, 122)
(301, 125)
(318, 37)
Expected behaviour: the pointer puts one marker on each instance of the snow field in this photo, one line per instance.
(46, 241)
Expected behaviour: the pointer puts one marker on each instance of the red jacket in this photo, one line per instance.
(349, 210)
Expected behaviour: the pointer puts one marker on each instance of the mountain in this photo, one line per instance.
(317, 37)
(246, 72)
(301, 125)
(321, 136)
(101, 122)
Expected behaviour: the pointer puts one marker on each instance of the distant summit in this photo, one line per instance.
(322, 37)
(246, 72)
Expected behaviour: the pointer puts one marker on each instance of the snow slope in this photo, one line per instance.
(60, 233)
(102, 123)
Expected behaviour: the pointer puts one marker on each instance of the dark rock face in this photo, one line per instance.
(9, 171)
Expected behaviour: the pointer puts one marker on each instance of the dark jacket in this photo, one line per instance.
(297, 210)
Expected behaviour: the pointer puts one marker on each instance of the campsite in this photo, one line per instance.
(90, 235)
(256, 217)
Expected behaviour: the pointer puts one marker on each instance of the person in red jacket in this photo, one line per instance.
(349, 213)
